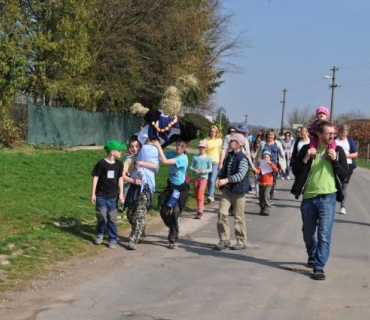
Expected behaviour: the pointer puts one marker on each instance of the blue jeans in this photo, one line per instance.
(318, 218)
(212, 180)
(106, 214)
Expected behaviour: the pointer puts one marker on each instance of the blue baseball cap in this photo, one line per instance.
(242, 128)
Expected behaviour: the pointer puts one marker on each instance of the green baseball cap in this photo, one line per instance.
(111, 145)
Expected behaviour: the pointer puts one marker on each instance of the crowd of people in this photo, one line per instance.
(322, 166)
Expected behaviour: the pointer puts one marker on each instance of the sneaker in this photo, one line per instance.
(238, 246)
(99, 239)
(318, 274)
(264, 213)
(223, 244)
(131, 246)
(172, 245)
(272, 202)
(199, 215)
(288, 178)
(343, 210)
(282, 178)
(310, 262)
(210, 200)
(112, 245)
(231, 213)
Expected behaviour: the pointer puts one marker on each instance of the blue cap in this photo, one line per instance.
(242, 128)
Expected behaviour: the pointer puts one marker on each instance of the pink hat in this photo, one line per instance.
(323, 110)
(202, 143)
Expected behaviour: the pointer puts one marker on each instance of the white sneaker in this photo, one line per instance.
(343, 210)
(99, 239)
(288, 178)
(210, 200)
(282, 178)
(172, 245)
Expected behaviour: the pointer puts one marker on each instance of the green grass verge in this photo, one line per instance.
(363, 163)
(45, 210)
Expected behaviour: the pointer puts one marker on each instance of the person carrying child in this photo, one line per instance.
(173, 199)
(322, 114)
(201, 165)
(107, 189)
(265, 170)
(139, 195)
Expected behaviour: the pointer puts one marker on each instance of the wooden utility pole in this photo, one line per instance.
(332, 86)
(282, 113)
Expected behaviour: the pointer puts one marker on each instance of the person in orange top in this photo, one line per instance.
(265, 169)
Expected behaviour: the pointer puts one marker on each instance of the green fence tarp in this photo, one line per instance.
(73, 127)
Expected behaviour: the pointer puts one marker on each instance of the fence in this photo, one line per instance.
(73, 127)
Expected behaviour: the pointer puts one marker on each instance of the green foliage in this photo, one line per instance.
(108, 54)
(200, 122)
(10, 132)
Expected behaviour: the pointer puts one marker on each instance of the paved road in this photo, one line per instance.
(266, 281)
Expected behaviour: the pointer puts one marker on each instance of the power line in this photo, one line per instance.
(355, 66)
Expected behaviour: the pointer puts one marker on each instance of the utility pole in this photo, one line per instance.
(333, 86)
(246, 119)
(282, 113)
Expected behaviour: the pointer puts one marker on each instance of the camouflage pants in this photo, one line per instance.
(136, 215)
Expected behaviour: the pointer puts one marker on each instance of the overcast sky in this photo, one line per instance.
(293, 44)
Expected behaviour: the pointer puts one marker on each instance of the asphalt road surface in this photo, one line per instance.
(268, 280)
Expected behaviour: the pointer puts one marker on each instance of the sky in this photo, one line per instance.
(293, 44)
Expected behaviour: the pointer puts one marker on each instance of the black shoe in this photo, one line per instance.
(264, 213)
(310, 262)
(318, 274)
(223, 244)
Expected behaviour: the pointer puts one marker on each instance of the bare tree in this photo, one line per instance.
(351, 115)
(300, 116)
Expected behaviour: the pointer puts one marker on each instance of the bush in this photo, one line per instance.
(10, 133)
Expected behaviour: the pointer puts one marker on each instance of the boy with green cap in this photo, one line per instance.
(107, 189)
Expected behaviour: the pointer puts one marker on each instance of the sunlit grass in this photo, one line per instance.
(45, 210)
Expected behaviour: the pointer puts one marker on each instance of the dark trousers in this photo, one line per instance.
(171, 218)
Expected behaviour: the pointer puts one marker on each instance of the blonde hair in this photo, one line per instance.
(217, 131)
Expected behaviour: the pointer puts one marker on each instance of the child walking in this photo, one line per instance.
(322, 114)
(232, 180)
(129, 163)
(139, 195)
(107, 189)
(173, 199)
(265, 170)
(201, 165)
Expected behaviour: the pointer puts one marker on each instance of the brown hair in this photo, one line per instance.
(343, 127)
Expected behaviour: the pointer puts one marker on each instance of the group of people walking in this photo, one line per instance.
(321, 164)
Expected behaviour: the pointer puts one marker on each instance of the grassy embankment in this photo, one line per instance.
(45, 210)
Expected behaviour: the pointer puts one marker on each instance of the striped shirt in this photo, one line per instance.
(242, 170)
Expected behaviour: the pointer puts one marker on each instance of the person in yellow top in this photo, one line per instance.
(214, 143)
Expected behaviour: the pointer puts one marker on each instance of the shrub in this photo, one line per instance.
(10, 133)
